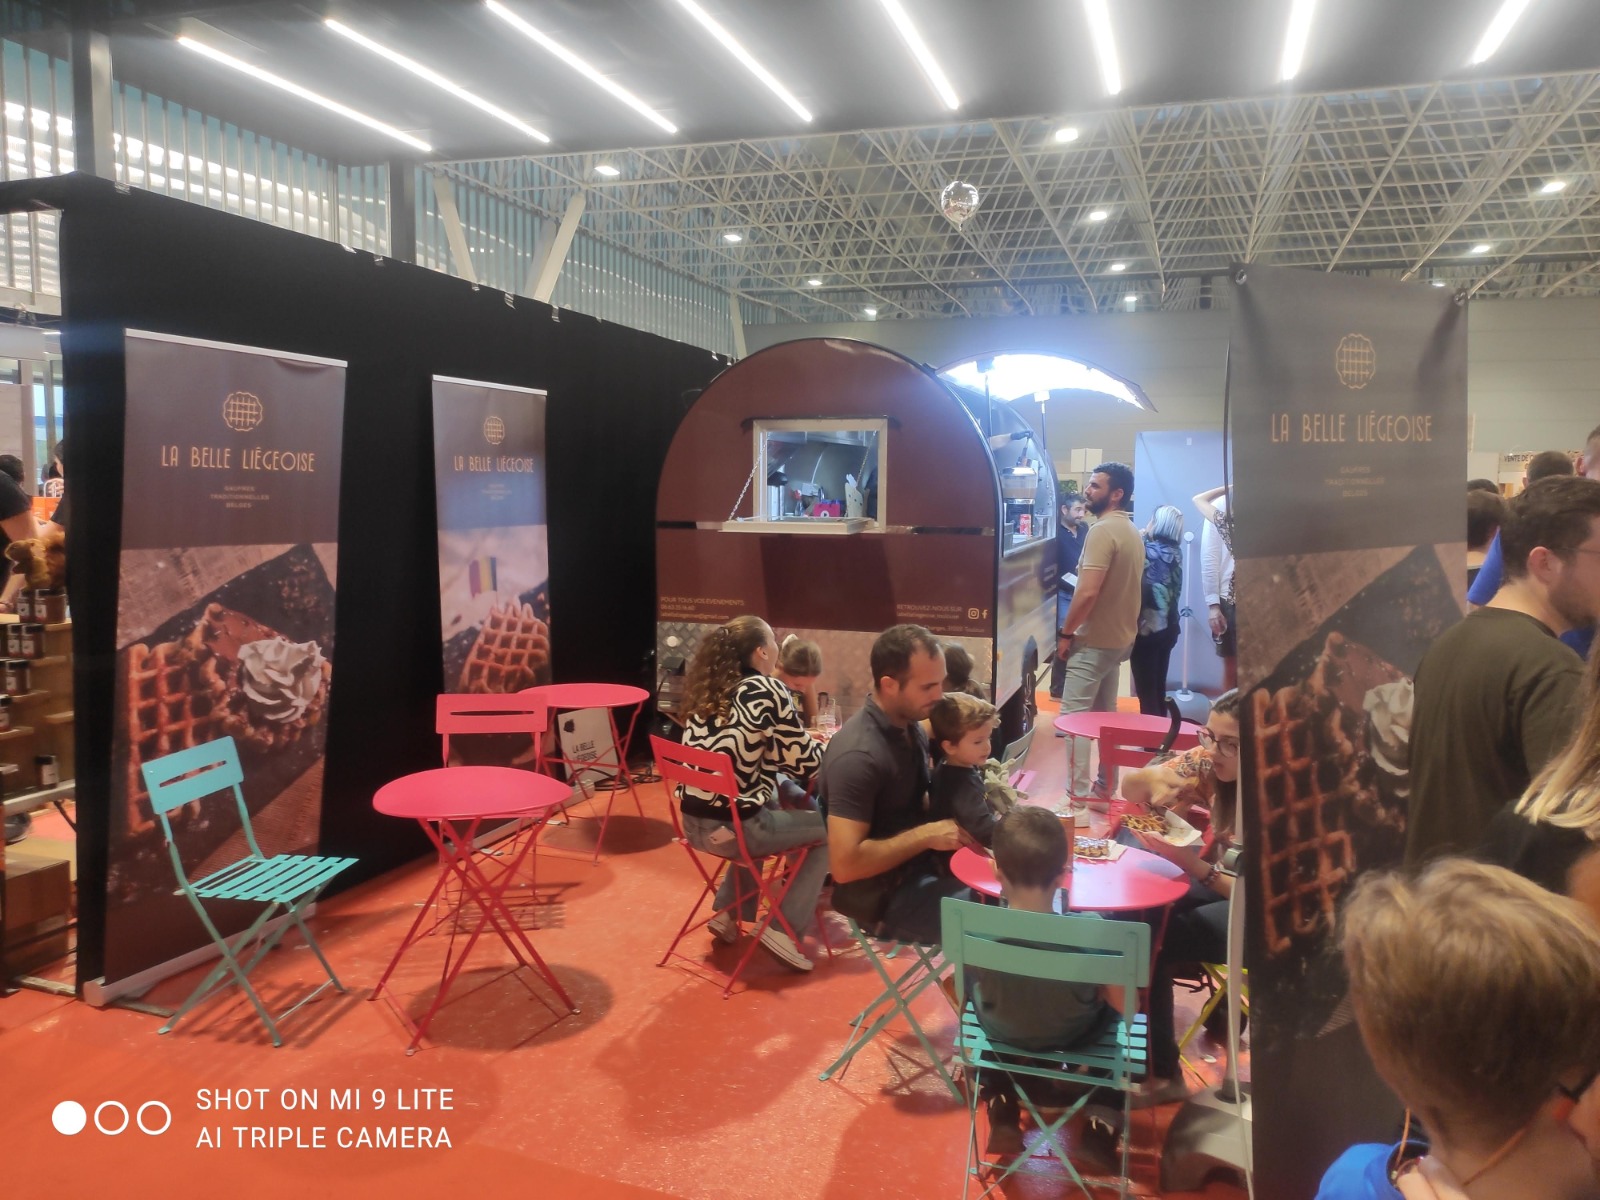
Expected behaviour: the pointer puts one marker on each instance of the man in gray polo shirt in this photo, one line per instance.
(873, 786)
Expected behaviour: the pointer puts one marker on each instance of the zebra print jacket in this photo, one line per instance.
(763, 734)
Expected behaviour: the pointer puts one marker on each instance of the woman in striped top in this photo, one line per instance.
(735, 707)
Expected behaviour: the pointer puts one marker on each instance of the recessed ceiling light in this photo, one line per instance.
(1119, 266)
(607, 170)
(731, 236)
(732, 46)
(1098, 13)
(1553, 186)
(1482, 248)
(294, 89)
(433, 77)
(871, 312)
(813, 283)
(1294, 41)
(920, 52)
(1067, 133)
(1499, 26)
(579, 65)
(1098, 214)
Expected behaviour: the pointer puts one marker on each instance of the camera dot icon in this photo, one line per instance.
(69, 1117)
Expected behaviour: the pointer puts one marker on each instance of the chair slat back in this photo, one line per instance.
(1121, 746)
(191, 775)
(1080, 949)
(515, 712)
(703, 770)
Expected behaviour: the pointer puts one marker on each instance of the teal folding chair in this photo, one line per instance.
(925, 967)
(1067, 949)
(284, 883)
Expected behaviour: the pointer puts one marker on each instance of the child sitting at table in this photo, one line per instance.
(960, 730)
(1030, 861)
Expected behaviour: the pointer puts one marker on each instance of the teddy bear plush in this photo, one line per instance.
(43, 560)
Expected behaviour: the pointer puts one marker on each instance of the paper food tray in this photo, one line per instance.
(1117, 850)
(1179, 832)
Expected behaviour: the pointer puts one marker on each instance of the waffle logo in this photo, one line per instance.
(242, 412)
(111, 1118)
(494, 430)
(1355, 360)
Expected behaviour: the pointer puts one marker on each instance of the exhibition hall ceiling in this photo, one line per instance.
(1385, 152)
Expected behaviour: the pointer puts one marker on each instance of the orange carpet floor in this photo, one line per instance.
(658, 1086)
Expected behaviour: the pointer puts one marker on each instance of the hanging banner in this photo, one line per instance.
(1348, 410)
(494, 605)
(225, 617)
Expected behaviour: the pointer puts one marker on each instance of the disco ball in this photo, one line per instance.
(958, 201)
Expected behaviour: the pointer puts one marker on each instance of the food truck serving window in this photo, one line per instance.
(820, 475)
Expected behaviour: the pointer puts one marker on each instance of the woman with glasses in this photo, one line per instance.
(1197, 927)
(1475, 992)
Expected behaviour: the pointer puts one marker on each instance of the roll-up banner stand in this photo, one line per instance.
(494, 596)
(225, 622)
(1348, 410)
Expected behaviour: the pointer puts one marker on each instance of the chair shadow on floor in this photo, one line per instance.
(498, 1007)
(679, 1072)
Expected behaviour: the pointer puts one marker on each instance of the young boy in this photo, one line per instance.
(960, 727)
(1030, 860)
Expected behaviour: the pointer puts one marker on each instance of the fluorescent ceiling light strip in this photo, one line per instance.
(1294, 42)
(433, 77)
(920, 52)
(732, 46)
(1504, 19)
(294, 89)
(579, 65)
(1105, 44)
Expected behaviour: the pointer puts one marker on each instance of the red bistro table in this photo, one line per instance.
(1136, 880)
(1090, 724)
(611, 697)
(451, 803)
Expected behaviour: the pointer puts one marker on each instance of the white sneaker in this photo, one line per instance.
(1080, 814)
(784, 949)
(724, 928)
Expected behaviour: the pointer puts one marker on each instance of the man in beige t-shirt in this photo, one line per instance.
(1097, 636)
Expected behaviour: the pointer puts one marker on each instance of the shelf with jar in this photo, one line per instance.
(37, 744)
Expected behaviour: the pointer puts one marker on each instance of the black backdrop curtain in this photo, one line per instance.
(131, 259)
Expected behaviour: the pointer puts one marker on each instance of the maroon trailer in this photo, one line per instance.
(837, 488)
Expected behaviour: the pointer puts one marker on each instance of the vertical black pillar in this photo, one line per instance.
(91, 101)
(403, 210)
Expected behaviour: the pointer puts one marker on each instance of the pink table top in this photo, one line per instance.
(1089, 724)
(589, 695)
(469, 793)
(1137, 880)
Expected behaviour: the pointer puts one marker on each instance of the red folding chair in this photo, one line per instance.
(707, 771)
(476, 714)
(1122, 746)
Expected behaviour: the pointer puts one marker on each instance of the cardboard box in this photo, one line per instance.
(38, 902)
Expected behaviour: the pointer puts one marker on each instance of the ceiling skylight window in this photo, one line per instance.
(746, 59)
(1294, 41)
(1012, 376)
(438, 80)
(1098, 13)
(305, 93)
(1507, 16)
(920, 52)
(583, 68)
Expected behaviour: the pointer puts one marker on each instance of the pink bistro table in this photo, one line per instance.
(611, 697)
(1090, 724)
(450, 803)
(1137, 880)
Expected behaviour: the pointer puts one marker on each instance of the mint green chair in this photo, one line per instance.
(284, 883)
(1067, 949)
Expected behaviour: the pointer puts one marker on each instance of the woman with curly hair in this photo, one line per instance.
(734, 706)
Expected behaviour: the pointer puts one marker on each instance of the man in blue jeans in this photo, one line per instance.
(1097, 635)
(1070, 535)
(1492, 574)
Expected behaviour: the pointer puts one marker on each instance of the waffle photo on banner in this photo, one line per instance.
(225, 614)
(1347, 414)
